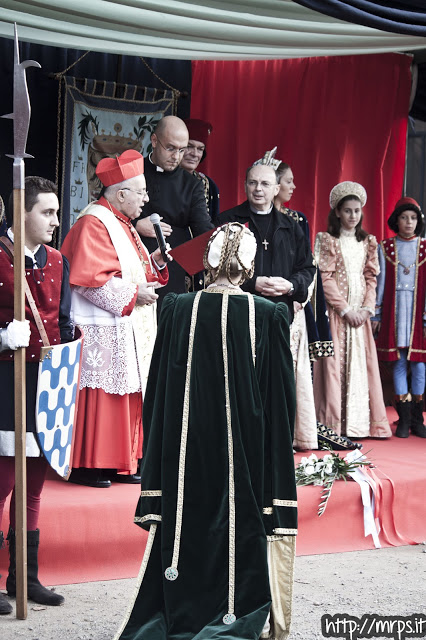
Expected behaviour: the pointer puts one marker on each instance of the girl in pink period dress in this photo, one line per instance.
(347, 387)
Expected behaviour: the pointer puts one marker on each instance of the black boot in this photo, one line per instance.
(417, 425)
(404, 413)
(36, 591)
(5, 606)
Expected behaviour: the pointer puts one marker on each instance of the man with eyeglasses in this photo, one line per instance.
(114, 282)
(176, 195)
(284, 266)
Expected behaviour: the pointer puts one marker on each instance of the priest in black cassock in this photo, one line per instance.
(176, 195)
(218, 491)
(284, 266)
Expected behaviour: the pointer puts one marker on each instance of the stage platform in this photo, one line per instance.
(88, 534)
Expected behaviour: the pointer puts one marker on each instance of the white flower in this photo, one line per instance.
(309, 469)
(313, 458)
(328, 469)
(304, 461)
(319, 465)
(328, 457)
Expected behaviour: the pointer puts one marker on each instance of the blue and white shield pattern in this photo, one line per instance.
(57, 391)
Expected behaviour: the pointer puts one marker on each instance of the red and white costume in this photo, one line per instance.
(107, 263)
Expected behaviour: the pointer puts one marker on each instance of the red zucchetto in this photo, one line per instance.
(114, 170)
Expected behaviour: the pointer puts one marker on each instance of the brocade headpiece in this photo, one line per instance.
(347, 188)
(269, 159)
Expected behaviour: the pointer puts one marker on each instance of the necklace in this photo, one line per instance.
(406, 268)
(135, 235)
(218, 288)
(223, 284)
(265, 241)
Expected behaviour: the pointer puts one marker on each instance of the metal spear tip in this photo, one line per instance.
(21, 103)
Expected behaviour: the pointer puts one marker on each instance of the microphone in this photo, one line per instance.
(155, 219)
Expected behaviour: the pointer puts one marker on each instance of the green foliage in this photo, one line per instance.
(324, 471)
(83, 126)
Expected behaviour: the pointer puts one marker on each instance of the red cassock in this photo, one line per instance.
(109, 425)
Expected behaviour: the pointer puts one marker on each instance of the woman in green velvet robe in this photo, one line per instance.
(218, 489)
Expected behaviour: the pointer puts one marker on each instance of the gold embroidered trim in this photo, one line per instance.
(150, 516)
(252, 326)
(284, 503)
(292, 532)
(222, 288)
(151, 493)
(416, 284)
(391, 244)
(321, 349)
(291, 213)
(184, 435)
(268, 511)
(231, 499)
(145, 560)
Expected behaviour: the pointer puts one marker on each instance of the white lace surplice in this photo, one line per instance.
(116, 350)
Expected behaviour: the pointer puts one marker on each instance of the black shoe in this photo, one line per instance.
(129, 479)
(89, 478)
(327, 438)
(5, 606)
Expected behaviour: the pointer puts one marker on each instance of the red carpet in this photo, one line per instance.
(88, 534)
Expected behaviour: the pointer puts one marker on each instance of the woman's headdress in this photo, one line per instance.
(347, 188)
(232, 240)
(269, 159)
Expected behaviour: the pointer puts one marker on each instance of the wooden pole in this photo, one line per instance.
(21, 122)
(20, 407)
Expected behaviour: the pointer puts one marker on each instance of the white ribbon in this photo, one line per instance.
(368, 501)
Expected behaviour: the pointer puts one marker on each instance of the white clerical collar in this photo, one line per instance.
(157, 168)
(28, 252)
(262, 213)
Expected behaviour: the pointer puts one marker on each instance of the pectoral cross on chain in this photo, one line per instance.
(265, 244)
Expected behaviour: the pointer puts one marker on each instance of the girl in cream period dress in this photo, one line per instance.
(347, 388)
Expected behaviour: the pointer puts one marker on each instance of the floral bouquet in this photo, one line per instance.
(324, 471)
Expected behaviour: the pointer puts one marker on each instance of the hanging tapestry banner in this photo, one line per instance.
(103, 119)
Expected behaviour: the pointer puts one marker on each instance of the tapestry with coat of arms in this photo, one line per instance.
(103, 119)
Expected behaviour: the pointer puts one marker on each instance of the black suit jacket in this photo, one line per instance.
(292, 257)
(179, 198)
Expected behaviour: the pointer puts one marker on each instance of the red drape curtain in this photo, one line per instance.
(332, 118)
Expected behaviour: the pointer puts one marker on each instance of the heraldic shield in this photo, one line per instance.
(56, 405)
